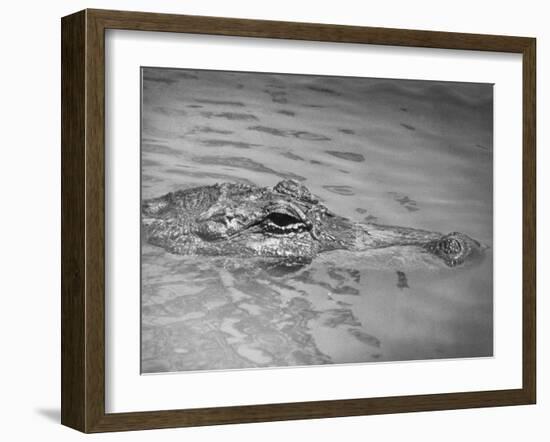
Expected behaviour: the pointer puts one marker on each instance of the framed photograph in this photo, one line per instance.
(269, 220)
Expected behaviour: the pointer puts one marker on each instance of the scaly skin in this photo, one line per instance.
(284, 221)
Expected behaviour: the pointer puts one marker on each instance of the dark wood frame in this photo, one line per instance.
(83, 217)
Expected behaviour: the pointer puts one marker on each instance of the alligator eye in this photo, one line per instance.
(277, 222)
(282, 219)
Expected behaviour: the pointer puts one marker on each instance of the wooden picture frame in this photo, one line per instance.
(83, 220)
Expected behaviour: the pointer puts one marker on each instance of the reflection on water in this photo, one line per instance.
(410, 153)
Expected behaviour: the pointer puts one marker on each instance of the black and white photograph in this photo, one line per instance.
(248, 221)
(302, 220)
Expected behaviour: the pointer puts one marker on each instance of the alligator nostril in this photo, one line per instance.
(450, 246)
(455, 248)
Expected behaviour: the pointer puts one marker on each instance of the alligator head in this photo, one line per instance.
(284, 221)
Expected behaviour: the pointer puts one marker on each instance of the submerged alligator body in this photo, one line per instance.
(285, 221)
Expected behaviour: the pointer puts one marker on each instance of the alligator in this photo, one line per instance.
(284, 221)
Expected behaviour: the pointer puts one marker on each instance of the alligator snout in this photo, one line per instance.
(455, 248)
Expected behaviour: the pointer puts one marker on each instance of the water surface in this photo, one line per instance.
(411, 153)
